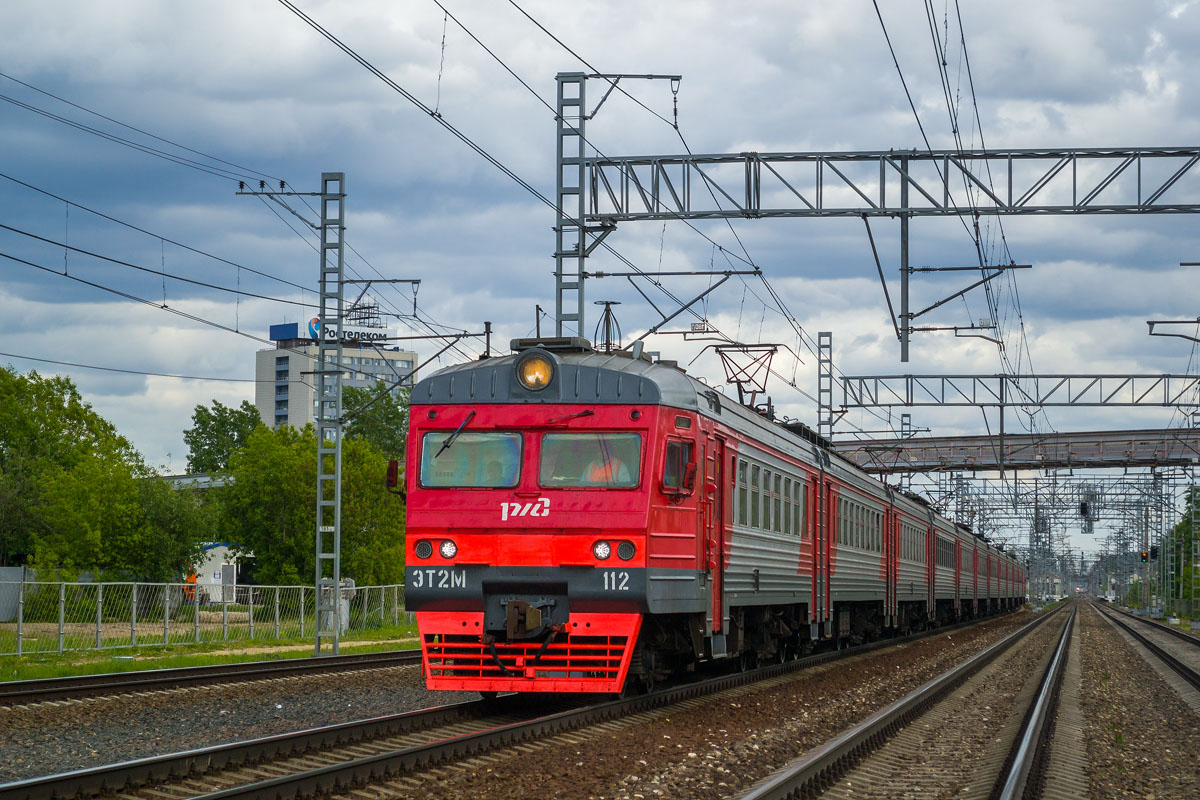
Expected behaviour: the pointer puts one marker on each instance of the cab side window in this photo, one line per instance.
(678, 456)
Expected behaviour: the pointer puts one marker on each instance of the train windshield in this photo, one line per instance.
(474, 460)
(591, 459)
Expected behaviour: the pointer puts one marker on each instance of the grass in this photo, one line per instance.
(34, 666)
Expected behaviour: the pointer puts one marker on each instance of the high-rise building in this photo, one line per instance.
(284, 390)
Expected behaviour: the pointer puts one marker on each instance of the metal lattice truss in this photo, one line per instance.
(870, 183)
(878, 391)
(1072, 499)
(1087, 450)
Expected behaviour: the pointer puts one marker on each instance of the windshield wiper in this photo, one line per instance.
(450, 439)
(556, 420)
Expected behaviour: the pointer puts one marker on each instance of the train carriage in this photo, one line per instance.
(576, 518)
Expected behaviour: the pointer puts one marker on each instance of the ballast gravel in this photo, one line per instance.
(1143, 740)
(48, 738)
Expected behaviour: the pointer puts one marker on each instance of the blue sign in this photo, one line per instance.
(288, 330)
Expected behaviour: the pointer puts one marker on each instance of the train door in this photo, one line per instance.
(988, 583)
(957, 578)
(823, 503)
(889, 561)
(974, 579)
(713, 499)
(931, 569)
(895, 566)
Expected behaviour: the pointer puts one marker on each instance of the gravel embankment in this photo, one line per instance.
(1143, 741)
(48, 738)
(723, 746)
(958, 747)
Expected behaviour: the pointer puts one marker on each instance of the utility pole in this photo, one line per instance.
(571, 228)
(825, 384)
(328, 386)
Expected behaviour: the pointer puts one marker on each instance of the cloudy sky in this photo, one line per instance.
(249, 88)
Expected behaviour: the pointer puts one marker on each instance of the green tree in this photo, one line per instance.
(44, 424)
(1180, 552)
(269, 509)
(217, 433)
(378, 416)
(75, 495)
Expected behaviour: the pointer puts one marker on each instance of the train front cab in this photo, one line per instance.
(545, 585)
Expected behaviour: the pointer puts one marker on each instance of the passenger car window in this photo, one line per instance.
(473, 460)
(591, 460)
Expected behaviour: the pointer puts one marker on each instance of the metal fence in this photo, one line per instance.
(55, 617)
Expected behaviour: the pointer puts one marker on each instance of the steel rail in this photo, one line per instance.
(1030, 751)
(132, 774)
(74, 687)
(91, 782)
(1158, 626)
(823, 764)
(1185, 671)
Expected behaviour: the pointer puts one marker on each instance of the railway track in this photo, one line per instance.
(1176, 649)
(15, 693)
(386, 748)
(957, 722)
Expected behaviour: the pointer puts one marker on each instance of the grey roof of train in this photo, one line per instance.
(600, 378)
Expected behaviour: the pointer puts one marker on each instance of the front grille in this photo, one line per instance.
(576, 657)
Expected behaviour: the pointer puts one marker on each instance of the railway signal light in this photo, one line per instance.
(1154, 552)
(1145, 556)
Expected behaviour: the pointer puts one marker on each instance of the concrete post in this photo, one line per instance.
(133, 616)
(62, 613)
(99, 615)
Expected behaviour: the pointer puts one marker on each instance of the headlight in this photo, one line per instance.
(448, 549)
(535, 371)
(626, 551)
(602, 550)
(424, 549)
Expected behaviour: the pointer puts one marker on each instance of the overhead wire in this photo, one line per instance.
(139, 268)
(716, 245)
(940, 47)
(218, 172)
(161, 237)
(177, 311)
(943, 77)
(780, 305)
(142, 372)
(783, 378)
(247, 174)
(162, 139)
(441, 120)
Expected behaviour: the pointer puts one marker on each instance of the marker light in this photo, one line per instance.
(602, 550)
(424, 549)
(448, 549)
(535, 371)
(626, 551)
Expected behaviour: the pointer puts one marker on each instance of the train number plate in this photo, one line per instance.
(616, 581)
(538, 508)
(434, 578)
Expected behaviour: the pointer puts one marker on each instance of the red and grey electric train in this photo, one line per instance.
(577, 519)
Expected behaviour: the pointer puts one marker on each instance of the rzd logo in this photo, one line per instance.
(540, 508)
